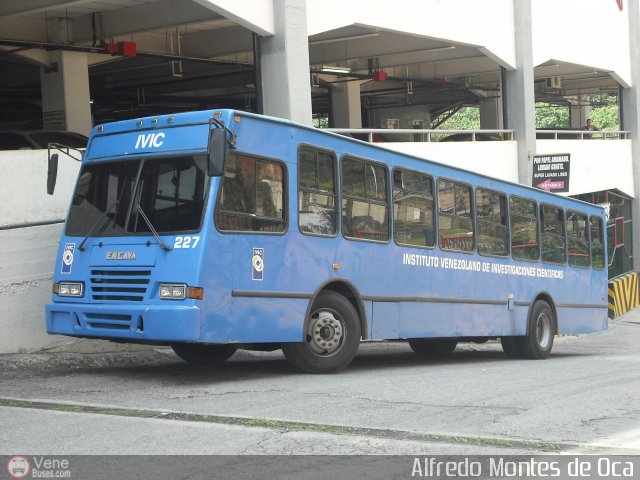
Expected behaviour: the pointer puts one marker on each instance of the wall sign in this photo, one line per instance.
(551, 172)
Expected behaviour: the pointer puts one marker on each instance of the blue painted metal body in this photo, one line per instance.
(404, 292)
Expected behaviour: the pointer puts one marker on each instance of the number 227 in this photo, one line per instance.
(186, 242)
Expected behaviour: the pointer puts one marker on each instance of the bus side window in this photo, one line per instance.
(597, 243)
(491, 212)
(252, 197)
(455, 225)
(413, 209)
(553, 238)
(578, 239)
(365, 211)
(316, 192)
(524, 230)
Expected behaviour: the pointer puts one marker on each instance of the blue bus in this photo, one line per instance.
(217, 230)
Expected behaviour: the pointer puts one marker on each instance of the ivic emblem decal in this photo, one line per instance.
(120, 256)
(67, 257)
(257, 264)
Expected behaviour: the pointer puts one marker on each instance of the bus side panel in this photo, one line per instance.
(270, 320)
(581, 320)
(217, 275)
(453, 320)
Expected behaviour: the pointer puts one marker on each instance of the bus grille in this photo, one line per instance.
(119, 285)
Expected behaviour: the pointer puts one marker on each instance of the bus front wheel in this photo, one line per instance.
(198, 354)
(332, 336)
(433, 346)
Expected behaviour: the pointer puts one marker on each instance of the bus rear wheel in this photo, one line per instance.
(332, 336)
(198, 354)
(538, 342)
(433, 346)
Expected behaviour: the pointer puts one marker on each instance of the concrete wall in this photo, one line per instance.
(28, 254)
(496, 159)
(24, 187)
(452, 20)
(27, 257)
(595, 164)
(585, 32)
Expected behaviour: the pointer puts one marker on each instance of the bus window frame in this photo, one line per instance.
(435, 208)
(472, 205)
(604, 246)
(507, 220)
(285, 200)
(588, 227)
(564, 234)
(536, 208)
(341, 197)
(336, 186)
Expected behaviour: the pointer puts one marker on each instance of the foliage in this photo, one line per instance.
(467, 118)
(605, 117)
(552, 116)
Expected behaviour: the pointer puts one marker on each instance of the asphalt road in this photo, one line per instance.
(583, 399)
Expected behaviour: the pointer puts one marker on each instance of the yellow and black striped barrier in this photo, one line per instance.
(623, 294)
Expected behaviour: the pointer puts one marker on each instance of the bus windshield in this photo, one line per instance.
(171, 192)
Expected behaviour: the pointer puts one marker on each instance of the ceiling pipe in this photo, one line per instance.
(26, 45)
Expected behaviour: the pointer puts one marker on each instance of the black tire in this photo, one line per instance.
(511, 347)
(332, 336)
(538, 342)
(434, 347)
(199, 354)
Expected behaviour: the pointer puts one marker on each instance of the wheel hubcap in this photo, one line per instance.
(326, 333)
(543, 330)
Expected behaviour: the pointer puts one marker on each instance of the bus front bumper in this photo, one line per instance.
(136, 323)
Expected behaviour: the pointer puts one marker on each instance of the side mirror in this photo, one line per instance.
(217, 152)
(52, 173)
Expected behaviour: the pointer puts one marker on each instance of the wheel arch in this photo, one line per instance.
(545, 296)
(351, 293)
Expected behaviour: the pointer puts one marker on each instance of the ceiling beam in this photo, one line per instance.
(154, 16)
(12, 8)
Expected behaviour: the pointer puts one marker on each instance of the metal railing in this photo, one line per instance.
(372, 135)
(581, 135)
(420, 135)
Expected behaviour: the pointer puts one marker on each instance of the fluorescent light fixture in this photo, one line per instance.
(440, 49)
(342, 39)
(334, 69)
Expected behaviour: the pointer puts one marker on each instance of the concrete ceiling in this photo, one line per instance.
(190, 57)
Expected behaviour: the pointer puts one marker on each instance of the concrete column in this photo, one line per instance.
(579, 112)
(520, 98)
(65, 93)
(345, 105)
(631, 120)
(284, 64)
(491, 113)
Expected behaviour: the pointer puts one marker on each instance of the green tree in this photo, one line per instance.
(604, 112)
(552, 116)
(467, 118)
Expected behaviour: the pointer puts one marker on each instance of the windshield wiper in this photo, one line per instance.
(153, 230)
(99, 222)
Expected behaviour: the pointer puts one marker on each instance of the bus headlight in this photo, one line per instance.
(179, 291)
(69, 289)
